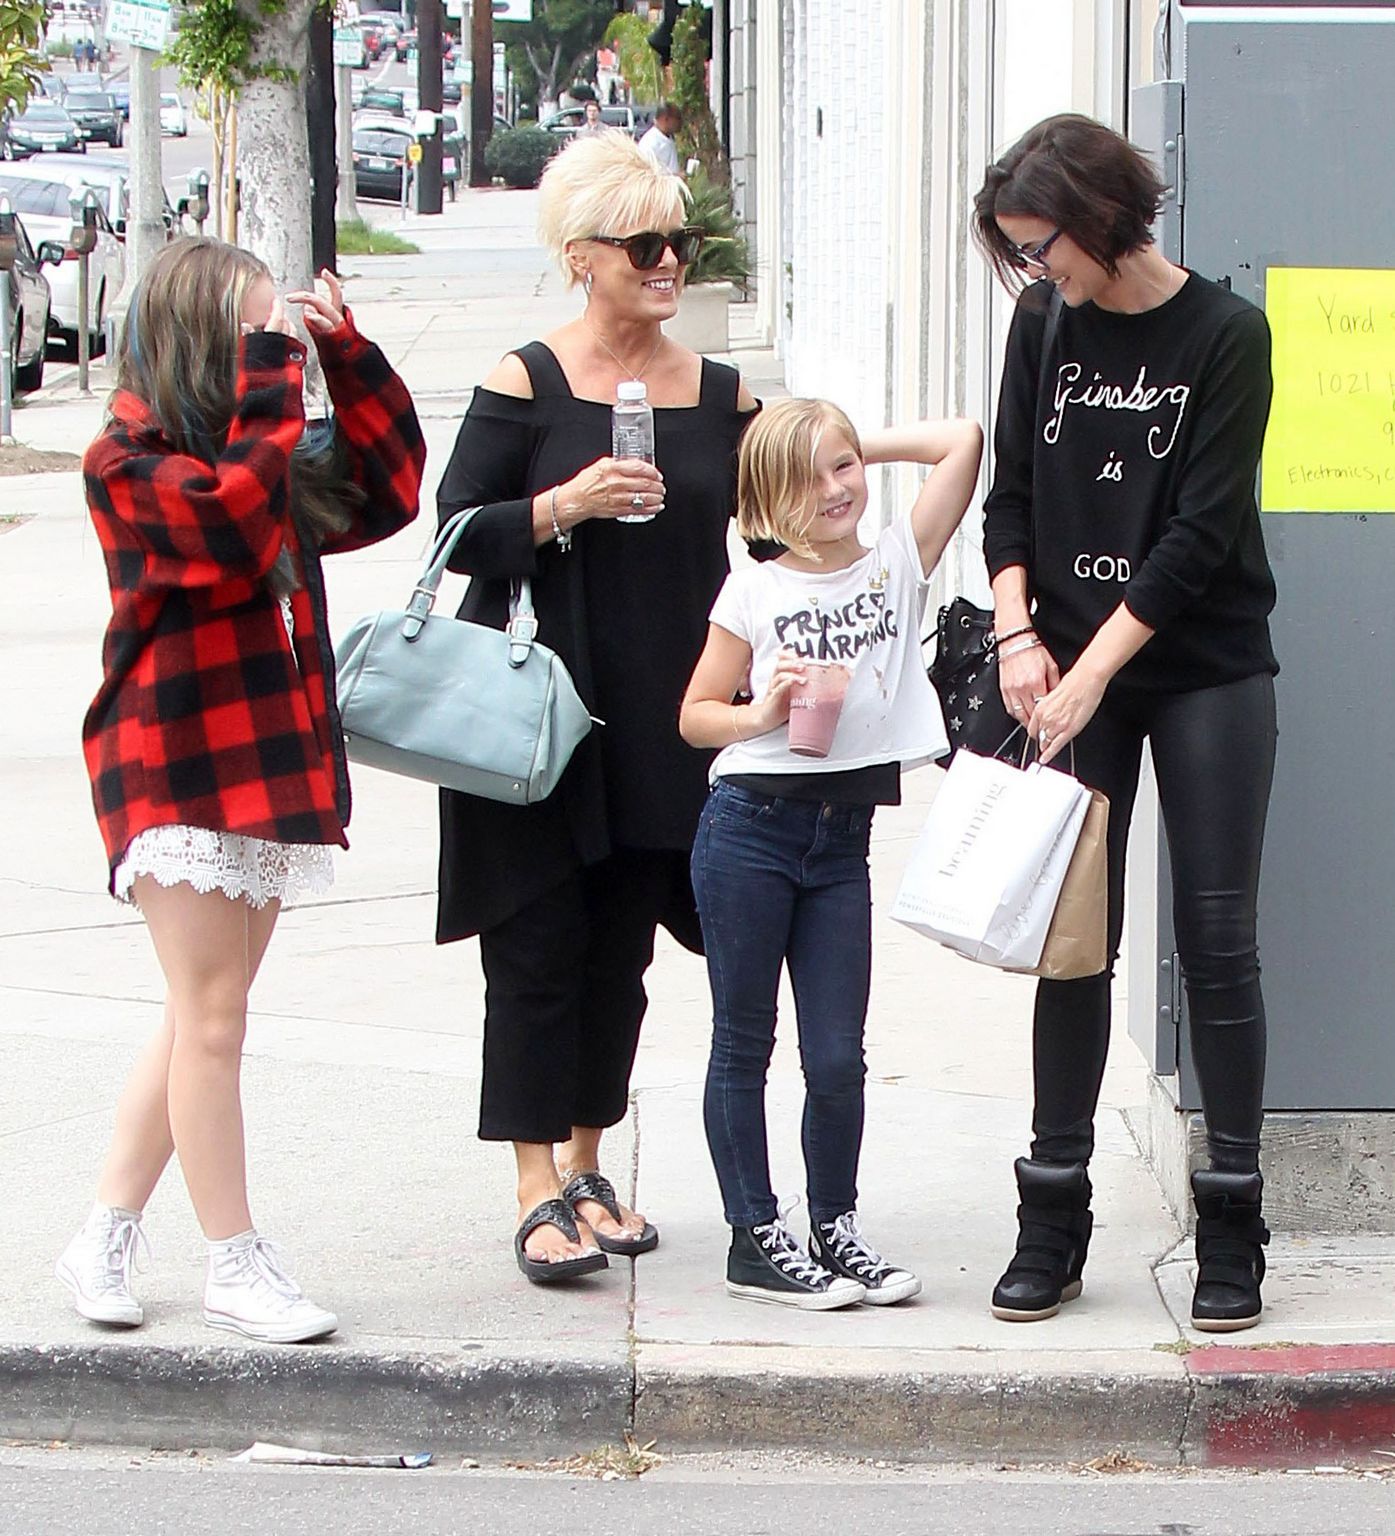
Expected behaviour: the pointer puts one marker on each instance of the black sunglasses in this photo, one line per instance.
(1035, 256)
(646, 249)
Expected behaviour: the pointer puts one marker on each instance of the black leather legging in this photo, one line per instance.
(1213, 754)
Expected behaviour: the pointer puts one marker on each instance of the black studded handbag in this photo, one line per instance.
(965, 674)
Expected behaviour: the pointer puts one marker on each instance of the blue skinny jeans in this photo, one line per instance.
(784, 881)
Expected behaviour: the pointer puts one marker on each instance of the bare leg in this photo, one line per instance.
(204, 944)
(582, 1154)
(142, 1143)
(537, 1181)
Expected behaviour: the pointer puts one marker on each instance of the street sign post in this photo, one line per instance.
(348, 47)
(142, 23)
(513, 10)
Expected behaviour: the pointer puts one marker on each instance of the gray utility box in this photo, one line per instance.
(1276, 131)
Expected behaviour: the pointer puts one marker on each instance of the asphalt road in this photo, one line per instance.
(48, 1492)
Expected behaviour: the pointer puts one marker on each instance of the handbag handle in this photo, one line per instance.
(523, 622)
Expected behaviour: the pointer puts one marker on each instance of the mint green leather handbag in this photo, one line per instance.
(486, 711)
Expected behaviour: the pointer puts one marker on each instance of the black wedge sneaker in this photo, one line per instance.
(1230, 1239)
(1053, 1236)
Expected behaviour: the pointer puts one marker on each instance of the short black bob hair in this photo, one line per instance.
(1079, 176)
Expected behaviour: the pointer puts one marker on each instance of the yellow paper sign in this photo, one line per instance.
(414, 153)
(1331, 440)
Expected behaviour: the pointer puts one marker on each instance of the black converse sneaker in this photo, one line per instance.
(766, 1264)
(840, 1246)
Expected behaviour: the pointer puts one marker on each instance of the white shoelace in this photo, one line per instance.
(784, 1251)
(124, 1238)
(854, 1250)
(269, 1269)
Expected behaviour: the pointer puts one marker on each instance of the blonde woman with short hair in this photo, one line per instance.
(828, 635)
(566, 896)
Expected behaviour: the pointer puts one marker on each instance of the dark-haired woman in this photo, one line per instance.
(216, 758)
(1131, 601)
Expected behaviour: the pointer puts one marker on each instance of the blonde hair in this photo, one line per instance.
(775, 497)
(604, 185)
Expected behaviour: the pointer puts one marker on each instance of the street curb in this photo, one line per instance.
(1220, 1407)
(319, 1397)
(945, 1407)
(1291, 1406)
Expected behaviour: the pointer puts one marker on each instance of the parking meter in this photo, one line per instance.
(9, 249)
(197, 204)
(83, 240)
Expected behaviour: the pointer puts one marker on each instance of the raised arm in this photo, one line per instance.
(954, 449)
(378, 424)
(201, 523)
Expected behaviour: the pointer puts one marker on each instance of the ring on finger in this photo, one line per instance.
(637, 500)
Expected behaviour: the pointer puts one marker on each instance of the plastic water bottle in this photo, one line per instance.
(632, 433)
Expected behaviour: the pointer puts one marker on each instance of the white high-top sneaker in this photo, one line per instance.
(250, 1291)
(96, 1267)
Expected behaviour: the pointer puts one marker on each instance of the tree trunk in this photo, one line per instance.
(273, 152)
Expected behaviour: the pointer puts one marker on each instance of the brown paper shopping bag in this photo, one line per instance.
(1077, 941)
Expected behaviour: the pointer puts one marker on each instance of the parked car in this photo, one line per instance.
(44, 207)
(380, 153)
(567, 123)
(41, 126)
(172, 116)
(377, 98)
(96, 116)
(383, 28)
(406, 46)
(120, 93)
(29, 309)
(109, 176)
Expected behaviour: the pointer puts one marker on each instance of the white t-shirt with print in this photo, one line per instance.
(866, 617)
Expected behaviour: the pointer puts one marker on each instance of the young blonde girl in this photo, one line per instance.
(780, 861)
(214, 749)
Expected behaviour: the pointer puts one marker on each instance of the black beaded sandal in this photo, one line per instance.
(554, 1213)
(595, 1186)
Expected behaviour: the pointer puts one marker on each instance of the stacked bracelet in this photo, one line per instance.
(564, 540)
(1015, 634)
(735, 722)
(1020, 650)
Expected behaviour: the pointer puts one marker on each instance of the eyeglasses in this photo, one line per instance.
(646, 249)
(1035, 256)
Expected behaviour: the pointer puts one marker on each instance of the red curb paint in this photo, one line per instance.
(1268, 1407)
(1299, 1360)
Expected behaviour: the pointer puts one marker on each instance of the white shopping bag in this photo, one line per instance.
(986, 872)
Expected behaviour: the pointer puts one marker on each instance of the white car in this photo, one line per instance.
(47, 216)
(173, 119)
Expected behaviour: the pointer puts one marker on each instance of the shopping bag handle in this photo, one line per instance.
(1027, 745)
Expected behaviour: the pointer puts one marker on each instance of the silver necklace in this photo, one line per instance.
(637, 377)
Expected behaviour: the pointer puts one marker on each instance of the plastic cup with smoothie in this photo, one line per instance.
(815, 705)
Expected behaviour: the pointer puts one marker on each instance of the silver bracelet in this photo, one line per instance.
(1019, 650)
(564, 540)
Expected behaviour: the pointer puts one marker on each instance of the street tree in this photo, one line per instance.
(21, 51)
(547, 53)
(252, 55)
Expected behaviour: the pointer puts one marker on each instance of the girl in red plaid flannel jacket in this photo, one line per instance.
(213, 744)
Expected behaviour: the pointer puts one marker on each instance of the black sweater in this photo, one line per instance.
(1133, 478)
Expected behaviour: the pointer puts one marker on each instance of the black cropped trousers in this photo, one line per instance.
(1213, 756)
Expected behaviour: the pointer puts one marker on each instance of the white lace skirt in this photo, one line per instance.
(242, 868)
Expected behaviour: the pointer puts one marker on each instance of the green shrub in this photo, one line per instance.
(724, 257)
(520, 154)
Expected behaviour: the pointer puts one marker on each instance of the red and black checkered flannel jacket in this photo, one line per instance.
(206, 717)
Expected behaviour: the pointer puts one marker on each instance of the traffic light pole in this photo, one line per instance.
(481, 88)
(430, 25)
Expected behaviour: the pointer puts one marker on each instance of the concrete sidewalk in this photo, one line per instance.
(361, 1085)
